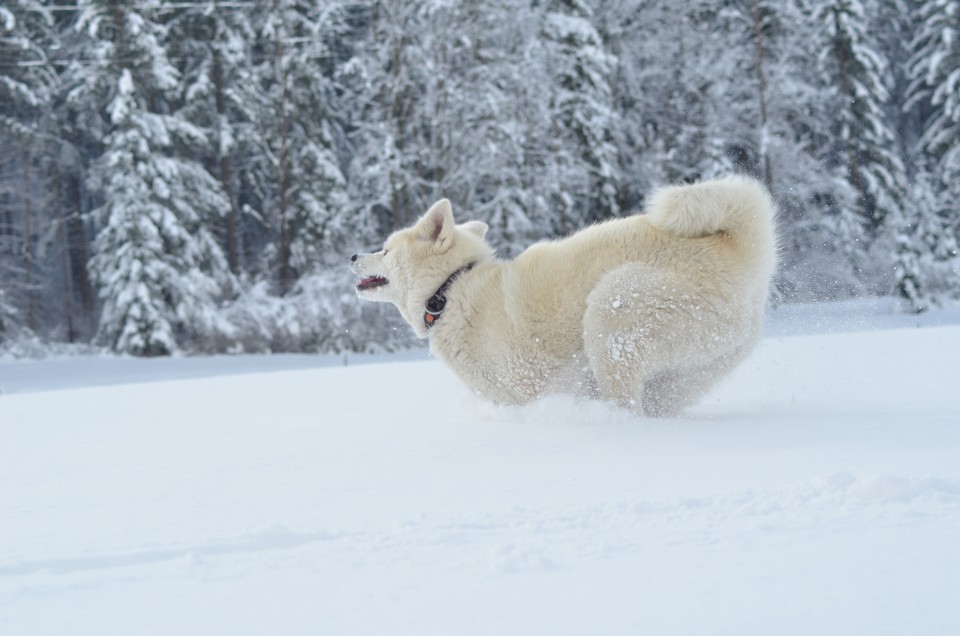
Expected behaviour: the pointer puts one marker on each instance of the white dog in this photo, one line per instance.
(647, 310)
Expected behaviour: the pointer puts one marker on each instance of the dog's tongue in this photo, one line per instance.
(371, 281)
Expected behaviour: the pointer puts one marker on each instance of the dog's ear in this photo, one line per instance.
(437, 225)
(476, 227)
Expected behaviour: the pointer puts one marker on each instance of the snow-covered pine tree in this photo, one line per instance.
(472, 109)
(27, 85)
(475, 115)
(301, 297)
(619, 24)
(212, 46)
(481, 96)
(388, 85)
(925, 265)
(673, 88)
(854, 141)
(857, 86)
(426, 123)
(511, 102)
(685, 73)
(776, 123)
(298, 172)
(582, 117)
(160, 272)
(770, 97)
(934, 92)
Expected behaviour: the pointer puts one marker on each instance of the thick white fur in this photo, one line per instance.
(647, 310)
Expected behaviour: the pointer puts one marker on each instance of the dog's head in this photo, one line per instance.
(416, 261)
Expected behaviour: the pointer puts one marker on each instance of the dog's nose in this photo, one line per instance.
(354, 257)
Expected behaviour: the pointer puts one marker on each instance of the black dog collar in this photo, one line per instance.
(436, 303)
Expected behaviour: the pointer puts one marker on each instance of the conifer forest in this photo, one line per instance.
(192, 176)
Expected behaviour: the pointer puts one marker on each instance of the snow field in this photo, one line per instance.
(817, 490)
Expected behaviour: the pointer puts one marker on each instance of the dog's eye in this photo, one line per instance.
(384, 250)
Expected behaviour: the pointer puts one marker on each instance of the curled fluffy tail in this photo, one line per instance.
(737, 206)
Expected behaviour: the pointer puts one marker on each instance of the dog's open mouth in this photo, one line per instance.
(371, 282)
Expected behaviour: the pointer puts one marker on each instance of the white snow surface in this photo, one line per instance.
(815, 491)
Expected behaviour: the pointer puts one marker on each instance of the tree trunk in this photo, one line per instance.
(284, 270)
(285, 273)
(65, 260)
(762, 81)
(226, 178)
(77, 246)
(853, 159)
(28, 239)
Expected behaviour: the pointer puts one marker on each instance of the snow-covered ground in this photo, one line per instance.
(816, 491)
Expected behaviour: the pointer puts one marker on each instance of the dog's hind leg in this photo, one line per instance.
(673, 391)
(669, 393)
(654, 341)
